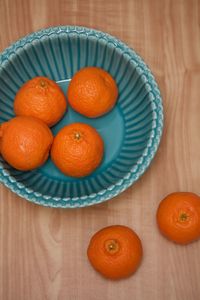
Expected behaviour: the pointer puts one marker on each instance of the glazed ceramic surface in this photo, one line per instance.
(131, 131)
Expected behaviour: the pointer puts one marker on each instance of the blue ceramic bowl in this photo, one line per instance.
(131, 131)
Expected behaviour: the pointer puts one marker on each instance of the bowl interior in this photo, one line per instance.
(126, 130)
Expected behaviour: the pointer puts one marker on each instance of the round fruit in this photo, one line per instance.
(41, 98)
(92, 92)
(178, 217)
(25, 142)
(115, 251)
(77, 150)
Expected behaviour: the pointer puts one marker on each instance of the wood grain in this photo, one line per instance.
(43, 250)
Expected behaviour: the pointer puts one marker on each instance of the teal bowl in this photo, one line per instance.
(131, 131)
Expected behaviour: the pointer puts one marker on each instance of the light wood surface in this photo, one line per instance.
(43, 250)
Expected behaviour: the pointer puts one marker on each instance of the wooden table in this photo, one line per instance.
(43, 250)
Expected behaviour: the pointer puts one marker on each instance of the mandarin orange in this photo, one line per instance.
(77, 150)
(178, 217)
(92, 92)
(115, 251)
(41, 98)
(25, 142)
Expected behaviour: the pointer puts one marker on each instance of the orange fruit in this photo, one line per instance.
(178, 217)
(25, 142)
(115, 251)
(41, 98)
(77, 150)
(92, 92)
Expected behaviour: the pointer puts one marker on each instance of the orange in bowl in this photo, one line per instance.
(115, 252)
(25, 142)
(77, 150)
(41, 98)
(92, 92)
(178, 217)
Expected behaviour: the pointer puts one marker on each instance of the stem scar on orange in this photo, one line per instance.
(115, 252)
(92, 92)
(77, 150)
(25, 142)
(178, 217)
(41, 98)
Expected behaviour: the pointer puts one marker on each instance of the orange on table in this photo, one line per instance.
(92, 92)
(25, 142)
(115, 251)
(178, 217)
(77, 150)
(41, 98)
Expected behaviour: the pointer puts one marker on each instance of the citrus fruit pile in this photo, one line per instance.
(77, 150)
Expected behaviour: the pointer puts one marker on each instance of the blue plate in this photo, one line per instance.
(131, 131)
